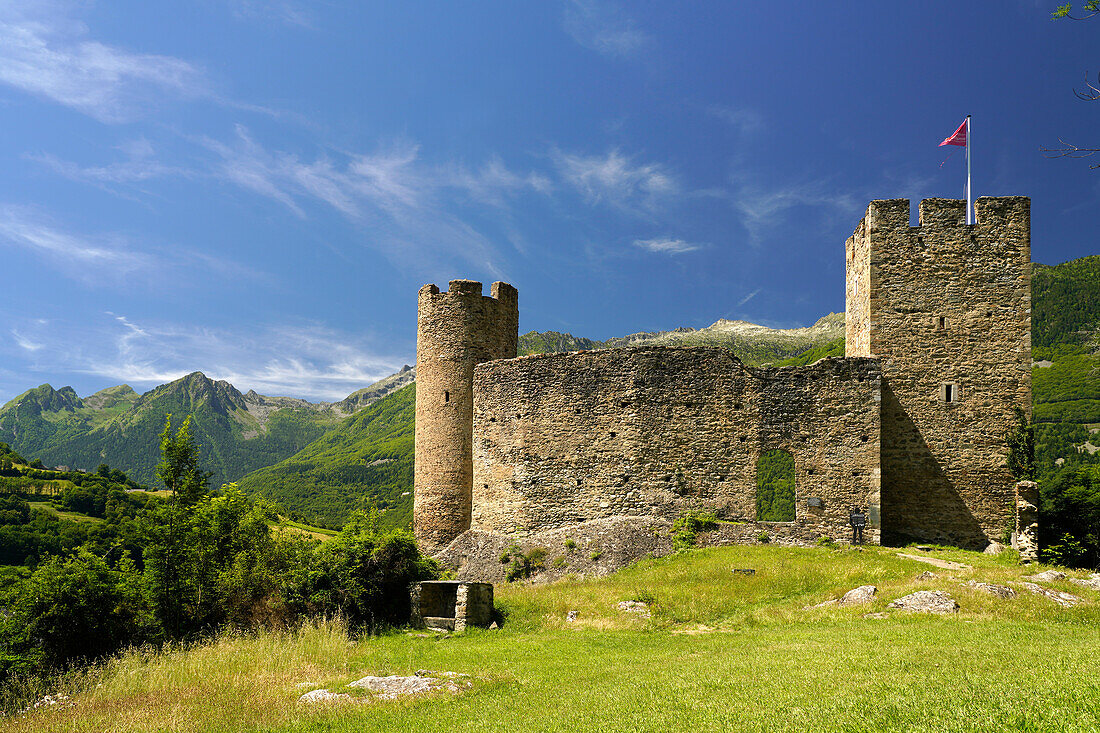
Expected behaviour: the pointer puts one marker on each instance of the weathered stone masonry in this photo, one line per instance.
(566, 438)
(946, 306)
(455, 331)
(910, 425)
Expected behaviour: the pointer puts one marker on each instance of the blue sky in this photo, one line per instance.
(257, 188)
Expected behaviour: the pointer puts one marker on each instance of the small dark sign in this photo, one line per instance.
(815, 502)
(858, 520)
(744, 571)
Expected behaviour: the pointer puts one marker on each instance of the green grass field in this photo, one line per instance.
(721, 652)
(46, 506)
(319, 533)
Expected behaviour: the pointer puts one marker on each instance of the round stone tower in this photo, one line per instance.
(456, 331)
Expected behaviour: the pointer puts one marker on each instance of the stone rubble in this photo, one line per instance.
(323, 696)
(927, 601)
(393, 687)
(1047, 576)
(1062, 599)
(1001, 591)
(635, 607)
(1092, 582)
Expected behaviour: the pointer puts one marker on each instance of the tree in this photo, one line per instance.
(1091, 8)
(179, 466)
(1021, 448)
(1091, 93)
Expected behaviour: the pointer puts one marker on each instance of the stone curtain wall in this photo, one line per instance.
(943, 463)
(566, 438)
(456, 330)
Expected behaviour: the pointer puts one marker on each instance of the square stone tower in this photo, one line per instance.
(946, 306)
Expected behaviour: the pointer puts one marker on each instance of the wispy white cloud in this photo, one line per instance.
(748, 297)
(101, 259)
(494, 182)
(44, 53)
(24, 342)
(762, 208)
(76, 254)
(141, 164)
(411, 208)
(306, 360)
(616, 179)
(743, 120)
(602, 26)
(285, 12)
(666, 245)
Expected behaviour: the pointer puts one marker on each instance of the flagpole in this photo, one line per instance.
(969, 196)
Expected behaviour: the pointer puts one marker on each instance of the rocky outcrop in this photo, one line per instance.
(595, 548)
(1001, 591)
(927, 601)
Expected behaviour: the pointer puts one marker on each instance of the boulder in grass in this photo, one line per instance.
(395, 686)
(1048, 576)
(862, 594)
(1062, 599)
(1092, 582)
(1001, 591)
(635, 607)
(317, 696)
(927, 601)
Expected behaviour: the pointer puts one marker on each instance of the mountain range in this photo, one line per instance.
(320, 461)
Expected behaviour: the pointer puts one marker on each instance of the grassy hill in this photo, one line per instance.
(720, 652)
(365, 462)
(753, 344)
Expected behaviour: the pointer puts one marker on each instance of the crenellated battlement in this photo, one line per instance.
(500, 291)
(991, 213)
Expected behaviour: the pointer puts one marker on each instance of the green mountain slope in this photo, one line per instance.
(365, 462)
(1065, 307)
(118, 428)
(1065, 304)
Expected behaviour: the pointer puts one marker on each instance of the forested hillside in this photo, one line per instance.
(365, 462)
(1066, 377)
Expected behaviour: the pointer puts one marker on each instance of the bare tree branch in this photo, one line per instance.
(1069, 150)
(1093, 93)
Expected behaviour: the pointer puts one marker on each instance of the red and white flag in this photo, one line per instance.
(957, 138)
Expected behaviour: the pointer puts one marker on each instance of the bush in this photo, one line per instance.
(1069, 530)
(524, 566)
(763, 537)
(687, 526)
(363, 573)
(75, 609)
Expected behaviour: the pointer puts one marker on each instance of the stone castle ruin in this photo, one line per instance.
(910, 426)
